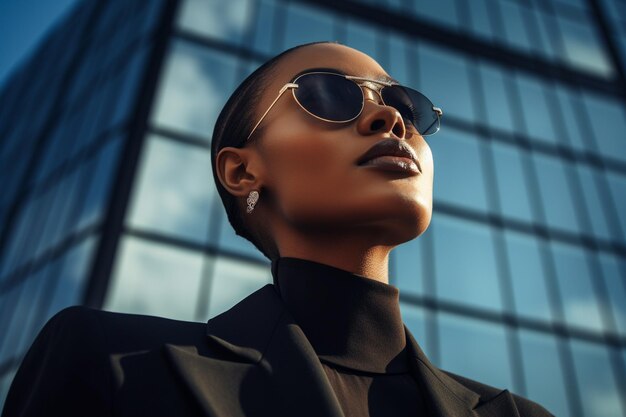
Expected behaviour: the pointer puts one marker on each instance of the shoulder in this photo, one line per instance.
(526, 407)
(120, 329)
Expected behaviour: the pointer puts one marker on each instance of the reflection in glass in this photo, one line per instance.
(408, 265)
(514, 193)
(558, 202)
(444, 79)
(306, 24)
(71, 275)
(265, 12)
(475, 349)
(479, 18)
(441, 11)
(577, 293)
(414, 318)
(515, 28)
(195, 85)
(527, 276)
(155, 279)
(583, 48)
(364, 38)
(132, 75)
(494, 82)
(595, 202)
(100, 181)
(571, 106)
(174, 190)
(600, 397)
(536, 109)
(608, 122)
(229, 241)
(617, 185)
(11, 324)
(544, 377)
(465, 270)
(234, 280)
(226, 20)
(459, 170)
(614, 271)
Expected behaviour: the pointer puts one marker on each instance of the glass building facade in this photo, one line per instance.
(108, 198)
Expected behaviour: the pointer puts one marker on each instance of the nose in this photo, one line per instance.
(380, 118)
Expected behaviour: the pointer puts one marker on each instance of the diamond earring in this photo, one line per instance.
(252, 199)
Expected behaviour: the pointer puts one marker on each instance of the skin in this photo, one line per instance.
(315, 202)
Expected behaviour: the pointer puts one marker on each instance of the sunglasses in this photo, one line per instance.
(338, 98)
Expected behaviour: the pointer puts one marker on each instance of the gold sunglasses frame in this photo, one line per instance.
(360, 81)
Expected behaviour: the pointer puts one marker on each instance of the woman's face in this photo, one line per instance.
(310, 175)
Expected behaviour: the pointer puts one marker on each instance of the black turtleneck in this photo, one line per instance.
(355, 327)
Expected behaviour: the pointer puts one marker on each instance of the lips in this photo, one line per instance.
(391, 154)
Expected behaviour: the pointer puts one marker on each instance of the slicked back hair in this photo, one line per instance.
(232, 127)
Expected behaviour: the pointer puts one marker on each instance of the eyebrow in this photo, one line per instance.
(384, 78)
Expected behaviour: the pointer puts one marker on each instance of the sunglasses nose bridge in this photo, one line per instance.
(370, 93)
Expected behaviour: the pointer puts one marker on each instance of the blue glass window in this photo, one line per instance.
(228, 21)
(594, 371)
(156, 279)
(263, 40)
(233, 280)
(229, 241)
(399, 52)
(608, 122)
(479, 16)
(475, 349)
(465, 268)
(515, 28)
(527, 276)
(408, 266)
(364, 38)
(195, 85)
(545, 382)
(58, 211)
(306, 24)
(415, 319)
(577, 293)
(444, 79)
(71, 274)
(595, 202)
(96, 194)
(614, 271)
(571, 106)
(494, 82)
(459, 170)
(583, 48)
(558, 203)
(515, 195)
(536, 110)
(617, 185)
(130, 84)
(173, 195)
(442, 11)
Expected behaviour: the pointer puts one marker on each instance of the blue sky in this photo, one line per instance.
(23, 23)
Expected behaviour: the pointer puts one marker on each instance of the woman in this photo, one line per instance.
(320, 161)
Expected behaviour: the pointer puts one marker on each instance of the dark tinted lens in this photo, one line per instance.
(414, 107)
(329, 96)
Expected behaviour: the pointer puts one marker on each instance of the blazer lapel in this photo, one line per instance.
(258, 348)
(448, 397)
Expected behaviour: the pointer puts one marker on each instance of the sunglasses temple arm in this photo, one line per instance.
(280, 93)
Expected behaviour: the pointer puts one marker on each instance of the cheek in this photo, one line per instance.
(307, 175)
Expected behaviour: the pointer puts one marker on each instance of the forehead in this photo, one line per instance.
(324, 55)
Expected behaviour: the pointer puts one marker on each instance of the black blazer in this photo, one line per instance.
(252, 360)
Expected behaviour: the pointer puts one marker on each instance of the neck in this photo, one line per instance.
(351, 252)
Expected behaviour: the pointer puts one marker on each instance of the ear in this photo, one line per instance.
(235, 170)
